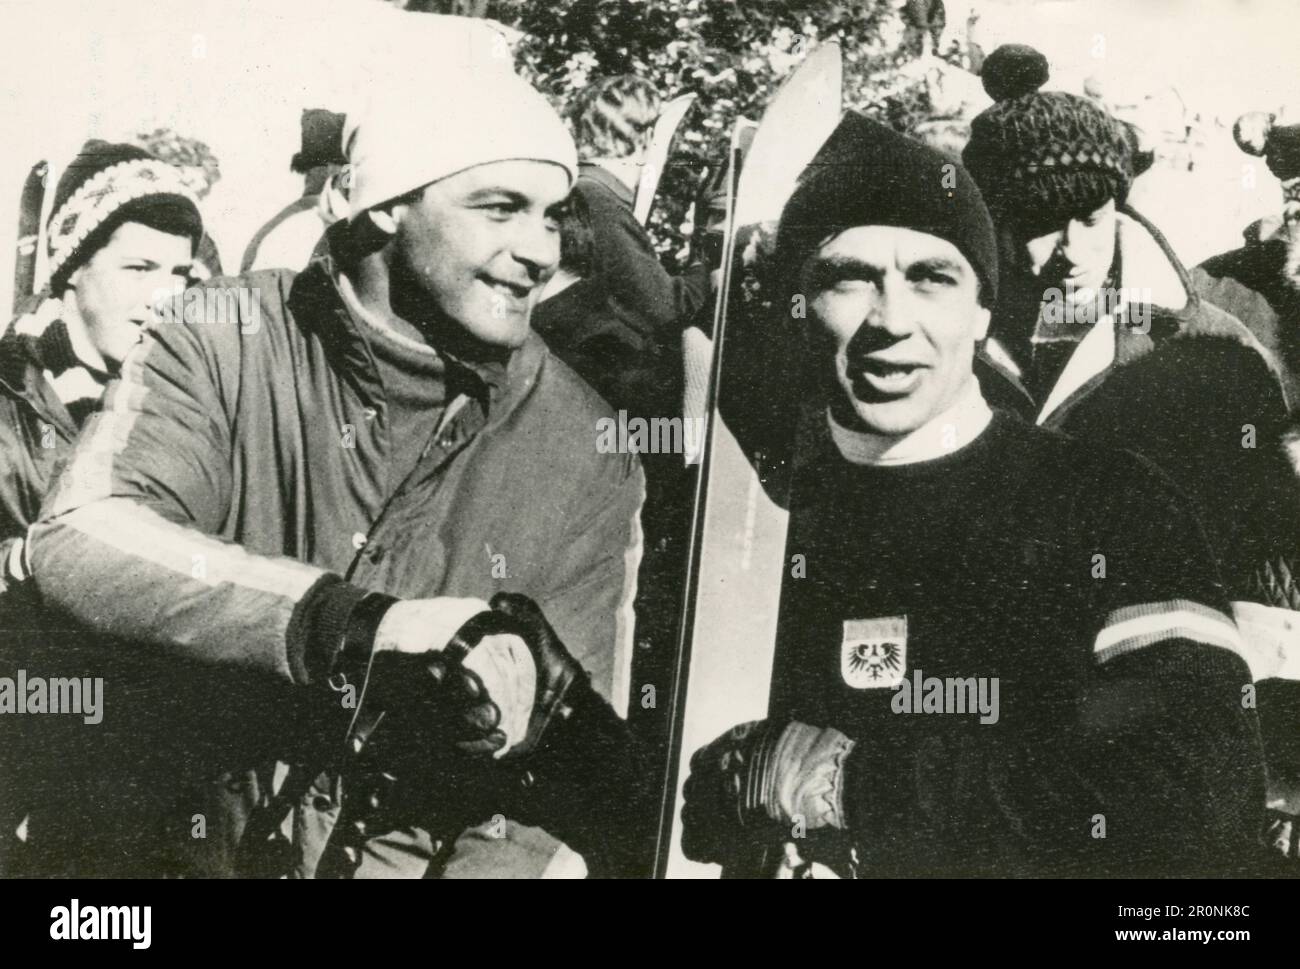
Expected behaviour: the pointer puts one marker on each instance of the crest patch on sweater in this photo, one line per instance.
(873, 653)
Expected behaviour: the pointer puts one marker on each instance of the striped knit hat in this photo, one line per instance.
(1041, 157)
(105, 186)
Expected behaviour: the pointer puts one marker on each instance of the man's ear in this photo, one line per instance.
(386, 220)
(982, 317)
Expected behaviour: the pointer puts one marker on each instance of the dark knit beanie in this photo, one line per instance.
(1042, 157)
(105, 186)
(869, 174)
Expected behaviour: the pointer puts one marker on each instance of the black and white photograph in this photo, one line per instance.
(651, 439)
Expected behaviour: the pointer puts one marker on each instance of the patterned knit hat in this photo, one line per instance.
(105, 186)
(1042, 157)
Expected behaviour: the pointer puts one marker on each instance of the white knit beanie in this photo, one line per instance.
(404, 140)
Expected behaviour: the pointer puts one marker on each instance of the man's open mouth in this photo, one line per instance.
(884, 378)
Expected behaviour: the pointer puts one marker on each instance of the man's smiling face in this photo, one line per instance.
(896, 315)
(479, 244)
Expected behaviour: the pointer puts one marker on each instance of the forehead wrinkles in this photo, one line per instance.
(889, 246)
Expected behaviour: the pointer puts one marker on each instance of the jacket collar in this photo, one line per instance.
(318, 304)
(594, 173)
(1177, 310)
(1156, 284)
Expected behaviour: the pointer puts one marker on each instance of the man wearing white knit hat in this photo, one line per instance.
(308, 508)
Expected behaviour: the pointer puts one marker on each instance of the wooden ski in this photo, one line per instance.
(670, 120)
(736, 559)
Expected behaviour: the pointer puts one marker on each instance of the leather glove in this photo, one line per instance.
(436, 698)
(556, 669)
(444, 696)
(756, 781)
(494, 689)
(425, 722)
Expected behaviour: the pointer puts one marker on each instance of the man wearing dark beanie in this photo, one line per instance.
(1111, 341)
(1010, 654)
(123, 228)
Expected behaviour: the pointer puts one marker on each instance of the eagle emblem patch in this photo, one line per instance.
(873, 653)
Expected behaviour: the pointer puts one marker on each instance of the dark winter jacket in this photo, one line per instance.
(36, 429)
(1073, 586)
(1251, 284)
(645, 305)
(36, 433)
(228, 508)
(1200, 397)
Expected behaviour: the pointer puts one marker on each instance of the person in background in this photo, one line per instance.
(620, 327)
(1259, 283)
(123, 228)
(642, 305)
(1102, 333)
(295, 233)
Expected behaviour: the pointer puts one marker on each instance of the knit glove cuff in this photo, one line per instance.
(803, 771)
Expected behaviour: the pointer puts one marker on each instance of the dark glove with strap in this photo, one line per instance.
(557, 671)
(579, 773)
(431, 698)
(423, 721)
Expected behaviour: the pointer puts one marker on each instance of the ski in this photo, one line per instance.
(725, 657)
(670, 120)
(28, 255)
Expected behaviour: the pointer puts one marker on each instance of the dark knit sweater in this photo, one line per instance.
(988, 556)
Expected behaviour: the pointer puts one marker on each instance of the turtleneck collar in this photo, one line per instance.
(943, 434)
(493, 375)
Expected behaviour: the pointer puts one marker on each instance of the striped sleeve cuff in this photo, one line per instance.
(1136, 627)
